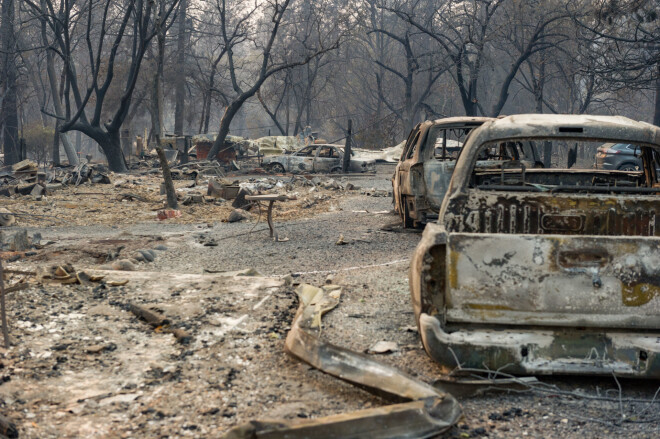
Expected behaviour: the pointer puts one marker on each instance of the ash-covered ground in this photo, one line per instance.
(83, 365)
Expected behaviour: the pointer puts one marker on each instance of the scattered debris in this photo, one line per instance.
(65, 274)
(240, 201)
(82, 173)
(341, 240)
(222, 189)
(155, 319)
(429, 413)
(168, 213)
(19, 241)
(237, 215)
(383, 347)
(159, 322)
(123, 265)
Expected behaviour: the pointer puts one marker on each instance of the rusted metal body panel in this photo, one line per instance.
(553, 280)
(544, 351)
(545, 279)
(554, 213)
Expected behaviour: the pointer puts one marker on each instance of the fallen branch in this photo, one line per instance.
(13, 271)
(154, 318)
(16, 287)
(157, 320)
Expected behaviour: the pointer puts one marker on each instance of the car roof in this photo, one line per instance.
(614, 128)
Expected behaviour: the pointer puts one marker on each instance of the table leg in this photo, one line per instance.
(269, 217)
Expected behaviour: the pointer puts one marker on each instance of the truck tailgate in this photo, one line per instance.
(553, 280)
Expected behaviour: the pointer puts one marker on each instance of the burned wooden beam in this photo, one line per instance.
(153, 318)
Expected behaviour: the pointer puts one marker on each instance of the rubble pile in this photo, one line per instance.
(82, 173)
(24, 178)
(90, 194)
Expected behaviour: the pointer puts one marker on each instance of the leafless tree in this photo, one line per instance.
(9, 108)
(469, 31)
(420, 69)
(104, 28)
(624, 43)
(180, 83)
(294, 50)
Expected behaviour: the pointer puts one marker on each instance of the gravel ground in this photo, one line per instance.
(142, 383)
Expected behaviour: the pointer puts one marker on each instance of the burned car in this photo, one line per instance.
(422, 175)
(316, 158)
(545, 271)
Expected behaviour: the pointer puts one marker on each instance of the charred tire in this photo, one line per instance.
(336, 170)
(628, 166)
(276, 168)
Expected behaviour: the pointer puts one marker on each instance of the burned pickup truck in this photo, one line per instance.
(426, 165)
(545, 271)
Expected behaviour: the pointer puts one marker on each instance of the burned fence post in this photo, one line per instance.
(167, 176)
(3, 309)
(347, 148)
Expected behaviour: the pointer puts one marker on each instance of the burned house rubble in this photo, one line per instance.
(241, 298)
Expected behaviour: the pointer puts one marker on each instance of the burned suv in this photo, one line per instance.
(545, 271)
(426, 165)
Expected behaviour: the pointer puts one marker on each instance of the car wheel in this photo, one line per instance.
(277, 168)
(629, 167)
(335, 170)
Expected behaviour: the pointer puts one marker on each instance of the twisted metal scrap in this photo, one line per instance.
(427, 413)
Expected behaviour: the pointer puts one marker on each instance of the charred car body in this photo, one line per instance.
(423, 173)
(317, 158)
(545, 271)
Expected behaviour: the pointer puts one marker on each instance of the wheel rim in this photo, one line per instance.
(628, 168)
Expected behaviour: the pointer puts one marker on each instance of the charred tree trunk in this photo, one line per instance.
(110, 143)
(656, 114)
(157, 85)
(56, 144)
(9, 104)
(180, 92)
(57, 103)
(207, 109)
(227, 117)
(172, 202)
